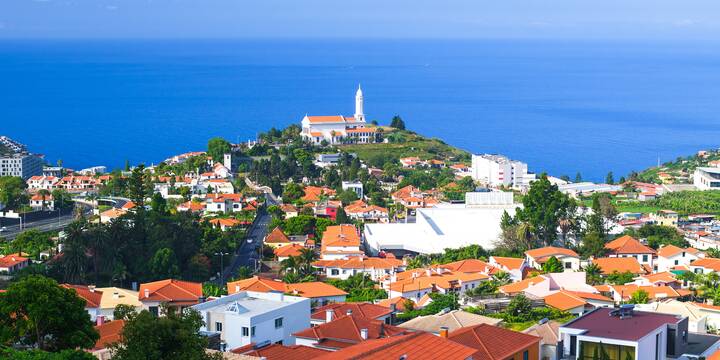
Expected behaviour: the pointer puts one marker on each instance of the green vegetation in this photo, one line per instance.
(439, 302)
(359, 288)
(8, 353)
(690, 202)
(37, 312)
(31, 241)
(553, 265)
(12, 192)
(659, 235)
(620, 278)
(639, 297)
(519, 315)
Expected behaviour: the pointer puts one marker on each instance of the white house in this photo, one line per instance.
(707, 178)
(670, 256)
(538, 257)
(223, 203)
(39, 182)
(340, 242)
(337, 129)
(417, 283)
(255, 317)
(40, 202)
(376, 268)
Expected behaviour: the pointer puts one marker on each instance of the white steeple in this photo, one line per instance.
(359, 116)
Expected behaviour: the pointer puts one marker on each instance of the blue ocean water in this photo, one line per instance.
(563, 107)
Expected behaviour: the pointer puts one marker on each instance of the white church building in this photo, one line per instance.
(338, 129)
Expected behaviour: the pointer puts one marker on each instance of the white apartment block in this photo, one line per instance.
(498, 170)
(706, 178)
(254, 317)
(21, 165)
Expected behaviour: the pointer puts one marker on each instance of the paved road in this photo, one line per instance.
(247, 254)
(12, 231)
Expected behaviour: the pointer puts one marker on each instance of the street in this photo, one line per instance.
(247, 253)
(12, 231)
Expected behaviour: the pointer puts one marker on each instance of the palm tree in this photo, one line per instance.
(307, 257)
(44, 193)
(74, 258)
(525, 235)
(289, 265)
(502, 278)
(592, 274)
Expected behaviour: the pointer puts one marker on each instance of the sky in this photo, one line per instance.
(555, 19)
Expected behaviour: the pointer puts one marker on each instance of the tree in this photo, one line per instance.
(124, 312)
(609, 178)
(519, 306)
(292, 192)
(593, 274)
(164, 264)
(620, 278)
(12, 191)
(299, 225)
(66, 354)
(31, 241)
(347, 197)
(543, 207)
(174, 336)
(553, 265)
(640, 296)
(341, 217)
(306, 258)
(74, 259)
(217, 148)
(36, 311)
(578, 177)
(397, 122)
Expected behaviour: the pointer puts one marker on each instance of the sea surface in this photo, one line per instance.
(562, 107)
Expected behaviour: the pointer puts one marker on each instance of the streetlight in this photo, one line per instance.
(222, 267)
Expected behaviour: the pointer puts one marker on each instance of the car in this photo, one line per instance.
(2, 229)
(249, 241)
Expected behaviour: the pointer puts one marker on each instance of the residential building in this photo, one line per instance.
(496, 343)
(330, 312)
(568, 258)
(319, 293)
(627, 246)
(91, 296)
(316, 193)
(355, 186)
(345, 331)
(13, 262)
(114, 296)
(498, 170)
(173, 293)
(110, 334)
(547, 331)
(226, 224)
(255, 317)
(414, 198)
(628, 334)
(546, 284)
(665, 218)
(513, 266)
(22, 165)
(706, 178)
(374, 267)
(42, 182)
(276, 238)
(577, 303)
(413, 346)
(224, 203)
(435, 229)
(705, 265)
(359, 210)
(289, 209)
(338, 129)
(610, 265)
(286, 251)
(697, 320)
(451, 320)
(340, 242)
(422, 282)
(281, 352)
(42, 202)
(671, 256)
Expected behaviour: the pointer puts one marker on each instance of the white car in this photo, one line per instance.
(249, 241)
(2, 229)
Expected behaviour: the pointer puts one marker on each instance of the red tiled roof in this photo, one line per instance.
(315, 289)
(708, 263)
(92, 298)
(345, 331)
(619, 264)
(255, 283)
(340, 235)
(109, 333)
(627, 244)
(544, 253)
(521, 285)
(415, 346)
(11, 260)
(370, 311)
(277, 236)
(492, 342)
(360, 262)
(280, 352)
(509, 262)
(171, 290)
(469, 266)
(399, 302)
(288, 250)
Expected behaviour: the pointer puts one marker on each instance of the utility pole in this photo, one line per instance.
(222, 267)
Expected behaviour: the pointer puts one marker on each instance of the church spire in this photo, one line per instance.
(359, 115)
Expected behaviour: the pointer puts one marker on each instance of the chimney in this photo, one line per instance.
(237, 288)
(147, 293)
(364, 334)
(91, 288)
(99, 320)
(428, 272)
(328, 315)
(116, 295)
(349, 312)
(444, 332)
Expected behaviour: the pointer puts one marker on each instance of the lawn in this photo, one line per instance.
(520, 326)
(408, 144)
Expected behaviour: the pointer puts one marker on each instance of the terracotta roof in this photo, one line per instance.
(288, 250)
(566, 300)
(521, 285)
(192, 206)
(345, 331)
(453, 320)
(360, 262)
(313, 193)
(340, 235)
(509, 262)
(288, 208)
(542, 254)
(11, 260)
(361, 130)
(171, 290)
(281, 352)
(113, 213)
(627, 244)
(399, 302)
(277, 236)
(708, 263)
(469, 266)
(619, 264)
(492, 342)
(314, 289)
(129, 205)
(92, 297)
(666, 277)
(548, 332)
(109, 333)
(325, 119)
(446, 280)
(225, 222)
(414, 346)
(255, 283)
(672, 250)
(654, 292)
(38, 197)
(370, 311)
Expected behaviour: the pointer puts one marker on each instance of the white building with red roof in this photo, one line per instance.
(670, 257)
(42, 202)
(12, 263)
(40, 182)
(337, 129)
(374, 267)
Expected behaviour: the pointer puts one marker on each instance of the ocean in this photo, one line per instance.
(561, 106)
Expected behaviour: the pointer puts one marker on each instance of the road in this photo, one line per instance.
(247, 254)
(12, 231)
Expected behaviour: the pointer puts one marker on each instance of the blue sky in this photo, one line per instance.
(560, 19)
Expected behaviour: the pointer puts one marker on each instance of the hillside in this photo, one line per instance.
(679, 170)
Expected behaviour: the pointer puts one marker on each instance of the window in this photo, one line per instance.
(608, 351)
(245, 331)
(677, 262)
(568, 265)
(218, 326)
(334, 272)
(526, 355)
(645, 258)
(252, 331)
(154, 310)
(278, 323)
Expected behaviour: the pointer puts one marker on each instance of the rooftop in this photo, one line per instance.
(248, 303)
(492, 342)
(599, 323)
(453, 320)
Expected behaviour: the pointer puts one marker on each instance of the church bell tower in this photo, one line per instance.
(359, 116)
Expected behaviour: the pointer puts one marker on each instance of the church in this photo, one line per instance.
(339, 129)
